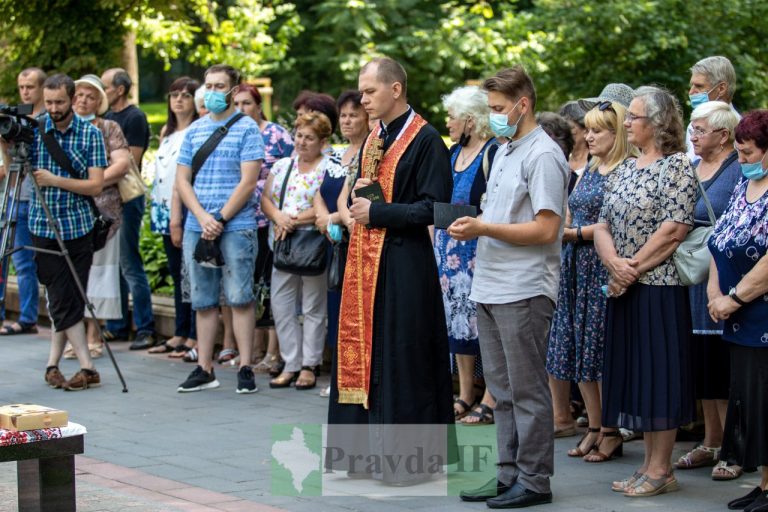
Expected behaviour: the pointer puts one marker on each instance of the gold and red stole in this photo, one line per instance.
(362, 272)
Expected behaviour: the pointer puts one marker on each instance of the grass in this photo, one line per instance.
(157, 114)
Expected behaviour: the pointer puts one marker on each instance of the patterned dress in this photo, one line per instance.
(576, 339)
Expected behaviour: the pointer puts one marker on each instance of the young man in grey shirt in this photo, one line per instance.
(515, 287)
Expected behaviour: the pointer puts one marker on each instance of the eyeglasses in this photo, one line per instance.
(698, 132)
(631, 118)
(184, 94)
(605, 105)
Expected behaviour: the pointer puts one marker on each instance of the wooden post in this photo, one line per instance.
(130, 58)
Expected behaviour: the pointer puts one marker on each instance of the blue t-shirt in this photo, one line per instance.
(739, 241)
(220, 174)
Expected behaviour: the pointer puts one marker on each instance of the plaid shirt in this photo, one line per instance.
(84, 145)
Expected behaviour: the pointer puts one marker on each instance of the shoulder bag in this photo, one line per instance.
(692, 256)
(303, 252)
(101, 224)
(131, 185)
(338, 264)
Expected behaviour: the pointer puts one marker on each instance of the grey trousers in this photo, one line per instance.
(513, 344)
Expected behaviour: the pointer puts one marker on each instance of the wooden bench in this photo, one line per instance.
(46, 473)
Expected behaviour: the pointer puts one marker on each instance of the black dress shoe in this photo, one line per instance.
(744, 501)
(518, 496)
(143, 342)
(760, 504)
(490, 490)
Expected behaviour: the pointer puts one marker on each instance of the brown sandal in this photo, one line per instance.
(618, 450)
(578, 452)
(283, 380)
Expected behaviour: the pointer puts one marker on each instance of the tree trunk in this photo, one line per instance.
(130, 59)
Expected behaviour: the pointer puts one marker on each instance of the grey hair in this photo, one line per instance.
(718, 115)
(122, 78)
(717, 69)
(665, 116)
(470, 102)
(199, 98)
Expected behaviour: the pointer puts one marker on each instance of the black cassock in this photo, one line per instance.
(411, 381)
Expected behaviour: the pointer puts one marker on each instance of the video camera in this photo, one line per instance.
(15, 123)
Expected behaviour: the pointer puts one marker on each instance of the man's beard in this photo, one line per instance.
(56, 117)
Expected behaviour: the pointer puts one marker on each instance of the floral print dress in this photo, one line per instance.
(577, 336)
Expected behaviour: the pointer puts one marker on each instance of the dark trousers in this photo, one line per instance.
(185, 317)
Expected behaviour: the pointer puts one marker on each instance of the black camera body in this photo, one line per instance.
(15, 123)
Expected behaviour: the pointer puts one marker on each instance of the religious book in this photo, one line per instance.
(372, 192)
(446, 213)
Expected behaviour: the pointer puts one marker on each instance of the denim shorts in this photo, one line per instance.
(235, 278)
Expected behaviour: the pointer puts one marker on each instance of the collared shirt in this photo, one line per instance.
(84, 145)
(529, 174)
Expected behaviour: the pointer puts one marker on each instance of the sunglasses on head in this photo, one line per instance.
(605, 105)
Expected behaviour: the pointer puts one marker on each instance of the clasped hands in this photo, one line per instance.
(720, 306)
(623, 273)
(284, 225)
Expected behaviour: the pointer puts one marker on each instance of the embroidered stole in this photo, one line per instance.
(362, 272)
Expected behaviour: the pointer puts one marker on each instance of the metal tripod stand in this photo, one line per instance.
(16, 171)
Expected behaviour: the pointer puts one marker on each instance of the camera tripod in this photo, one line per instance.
(17, 170)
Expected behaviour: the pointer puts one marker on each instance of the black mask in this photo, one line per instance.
(464, 138)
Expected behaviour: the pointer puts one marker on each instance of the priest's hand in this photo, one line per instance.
(360, 183)
(360, 209)
(466, 228)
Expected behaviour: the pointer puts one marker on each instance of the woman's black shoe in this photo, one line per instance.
(741, 503)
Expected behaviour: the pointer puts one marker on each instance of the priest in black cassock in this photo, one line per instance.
(391, 381)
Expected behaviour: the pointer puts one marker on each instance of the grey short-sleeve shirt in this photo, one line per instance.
(528, 175)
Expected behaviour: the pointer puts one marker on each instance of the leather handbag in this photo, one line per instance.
(131, 185)
(303, 252)
(337, 265)
(692, 256)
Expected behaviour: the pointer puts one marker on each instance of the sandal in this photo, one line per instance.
(276, 368)
(180, 351)
(283, 381)
(302, 383)
(226, 355)
(466, 409)
(191, 356)
(627, 483)
(617, 451)
(724, 471)
(482, 412)
(578, 452)
(264, 365)
(96, 351)
(646, 486)
(699, 457)
(568, 431)
(163, 348)
(18, 328)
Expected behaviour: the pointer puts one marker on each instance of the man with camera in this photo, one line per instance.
(30, 82)
(117, 84)
(218, 167)
(64, 192)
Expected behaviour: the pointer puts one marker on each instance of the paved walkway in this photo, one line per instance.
(153, 449)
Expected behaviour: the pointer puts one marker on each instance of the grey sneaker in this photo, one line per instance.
(199, 380)
(246, 383)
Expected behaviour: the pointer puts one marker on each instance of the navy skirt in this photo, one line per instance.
(646, 371)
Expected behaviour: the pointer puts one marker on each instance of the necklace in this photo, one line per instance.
(466, 155)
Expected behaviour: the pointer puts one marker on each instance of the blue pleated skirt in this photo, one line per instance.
(647, 384)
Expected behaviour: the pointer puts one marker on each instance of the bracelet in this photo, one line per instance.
(579, 236)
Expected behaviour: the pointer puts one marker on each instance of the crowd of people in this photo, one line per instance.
(570, 285)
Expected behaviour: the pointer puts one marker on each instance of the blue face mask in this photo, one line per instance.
(334, 231)
(499, 124)
(700, 98)
(754, 171)
(216, 101)
(88, 118)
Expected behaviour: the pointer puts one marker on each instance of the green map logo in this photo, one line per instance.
(296, 457)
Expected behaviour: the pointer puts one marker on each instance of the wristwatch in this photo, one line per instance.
(218, 218)
(736, 298)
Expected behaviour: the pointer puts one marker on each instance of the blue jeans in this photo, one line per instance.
(132, 275)
(239, 249)
(26, 272)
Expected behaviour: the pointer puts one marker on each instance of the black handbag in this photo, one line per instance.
(338, 264)
(101, 224)
(303, 252)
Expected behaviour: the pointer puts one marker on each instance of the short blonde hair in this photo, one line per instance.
(611, 119)
(317, 122)
(470, 102)
(718, 115)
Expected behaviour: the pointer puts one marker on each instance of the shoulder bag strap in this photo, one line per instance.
(209, 145)
(710, 211)
(285, 183)
(61, 158)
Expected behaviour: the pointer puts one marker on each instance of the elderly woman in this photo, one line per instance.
(166, 210)
(330, 200)
(298, 179)
(471, 155)
(278, 144)
(576, 340)
(647, 210)
(738, 295)
(104, 279)
(711, 133)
